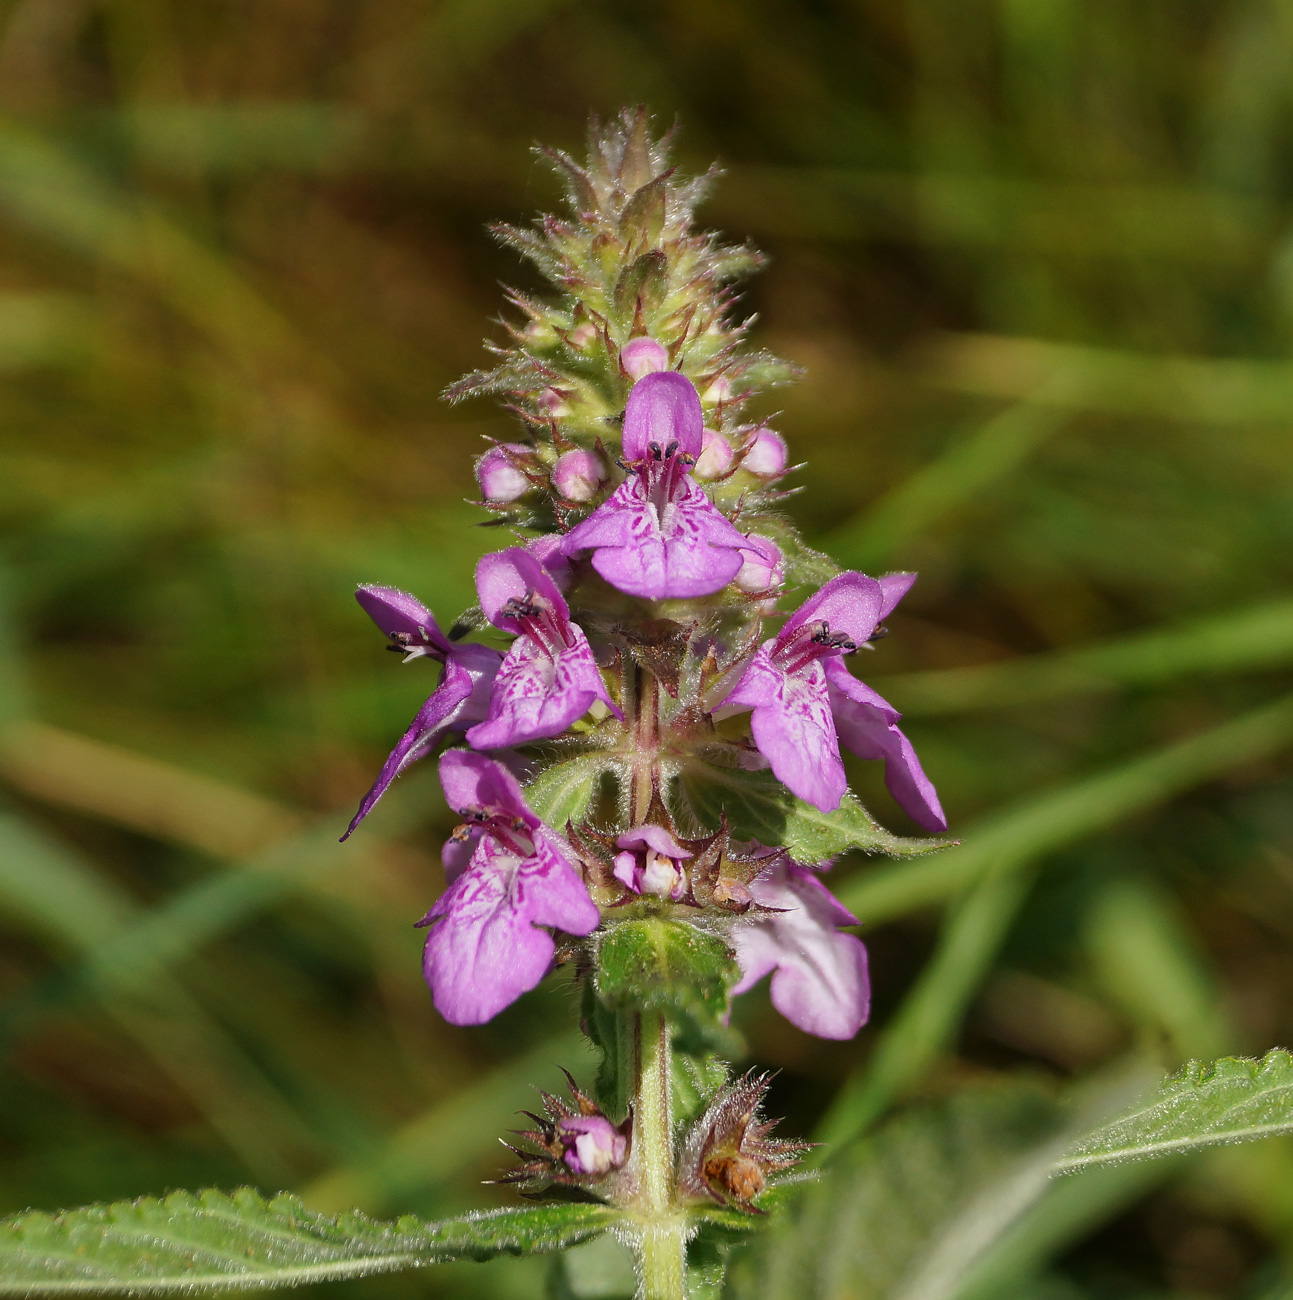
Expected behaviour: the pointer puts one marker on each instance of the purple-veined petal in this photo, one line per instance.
(793, 728)
(403, 618)
(819, 976)
(485, 948)
(536, 694)
(849, 603)
(515, 574)
(867, 724)
(689, 549)
(445, 707)
(663, 409)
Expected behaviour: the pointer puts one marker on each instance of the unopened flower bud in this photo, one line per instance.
(592, 1145)
(582, 335)
(579, 474)
(732, 894)
(764, 567)
(643, 356)
(553, 403)
(765, 454)
(715, 457)
(498, 476)
(719, 390)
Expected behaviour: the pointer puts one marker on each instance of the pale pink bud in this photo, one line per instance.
(765, 454)
(719, 390)
(579, 474)
(764, 567)
(582, 335)
(715, 457)
(498, 476)
(643, 356)
(553, 403)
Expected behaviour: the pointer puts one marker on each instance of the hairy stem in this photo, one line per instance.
(645, 721)
(662, 1225)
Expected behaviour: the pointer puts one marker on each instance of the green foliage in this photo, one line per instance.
(1230, 1100)
(561, 793)
(217, 1241)
(758, 807)
(669, 966)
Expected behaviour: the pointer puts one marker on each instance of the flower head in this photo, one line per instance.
(805, 700)
(548, 678)
(658, 535)
(461, 698)
(650, 861)
(819, 976)
(576, 1144)
(509, 875)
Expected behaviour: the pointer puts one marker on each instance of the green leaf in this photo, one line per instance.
(654, 964)
(1231, 1100)
(759, 807)
(812, 835)
(218, 1240)
(561, 793)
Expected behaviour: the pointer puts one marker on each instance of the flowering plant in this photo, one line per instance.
(640, 727)
(649, 775)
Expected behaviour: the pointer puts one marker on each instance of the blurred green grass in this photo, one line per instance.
(1036, 258)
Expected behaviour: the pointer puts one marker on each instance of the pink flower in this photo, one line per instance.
(549, 678)
(508, 876)
(805, 700)
(658, 535)
(461, 698)
(819, 976)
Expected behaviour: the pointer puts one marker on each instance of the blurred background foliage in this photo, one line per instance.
(1036, 257)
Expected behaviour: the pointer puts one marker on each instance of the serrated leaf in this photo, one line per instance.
(1232, 1100)
(655, 964)
(561, 793)
(758, 807)
(812, 835)
(217, 1240)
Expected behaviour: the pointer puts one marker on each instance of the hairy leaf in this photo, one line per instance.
(758, 807)
(223, 1240)
(561, 793)
(654, 964)
(1231, 1100)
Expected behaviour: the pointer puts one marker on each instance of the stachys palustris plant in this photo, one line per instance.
(649, 775)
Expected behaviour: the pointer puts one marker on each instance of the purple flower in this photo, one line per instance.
(658, 535)
(461, 698)
(819, 976)
(549, 677)
(805, 700)
(591, 1144)
(650, 862)
(509, 875)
